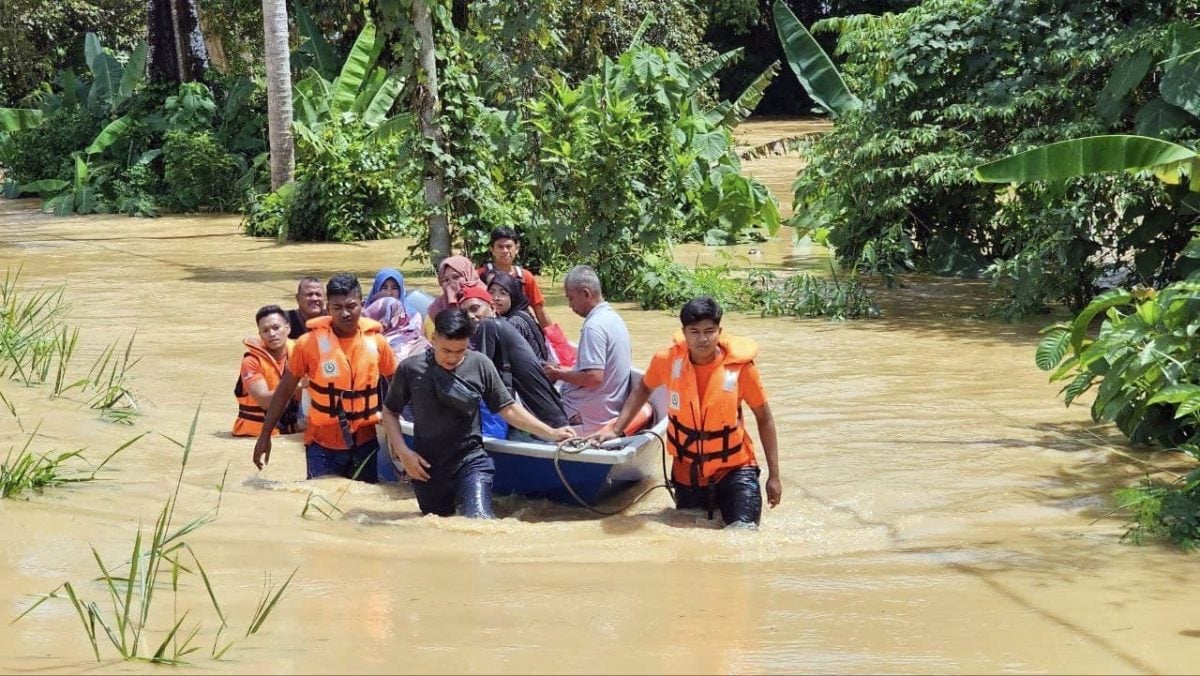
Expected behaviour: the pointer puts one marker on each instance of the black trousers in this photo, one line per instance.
(737, 495)
(467, 492)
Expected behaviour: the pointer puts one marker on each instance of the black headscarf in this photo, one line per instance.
(516, 290)
(519, 315)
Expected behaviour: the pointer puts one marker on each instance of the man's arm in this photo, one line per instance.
(517, 416)
(279, 402)
(766, 432)
(260, 392)
(637, 399)
(588, 379)
(414, 465)
(539, 311)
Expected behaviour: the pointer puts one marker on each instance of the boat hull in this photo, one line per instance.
(527, 469)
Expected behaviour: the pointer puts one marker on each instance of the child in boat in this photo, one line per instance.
(708, 375)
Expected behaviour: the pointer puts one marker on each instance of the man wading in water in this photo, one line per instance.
(345, 358)
(708, 375)
(450, 472)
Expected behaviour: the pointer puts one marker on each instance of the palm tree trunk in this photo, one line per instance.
(427, 105)
(279, 92)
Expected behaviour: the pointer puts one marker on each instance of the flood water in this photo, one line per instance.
(942, 510)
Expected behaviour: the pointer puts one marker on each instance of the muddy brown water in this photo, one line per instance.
(942, 511)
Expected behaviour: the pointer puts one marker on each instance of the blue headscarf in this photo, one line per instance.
(384, 275)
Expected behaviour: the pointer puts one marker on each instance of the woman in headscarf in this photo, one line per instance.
(388, 282)
(401, 327)
(454, 274)
(513, 306)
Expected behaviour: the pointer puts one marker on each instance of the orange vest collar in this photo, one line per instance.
(737, 350)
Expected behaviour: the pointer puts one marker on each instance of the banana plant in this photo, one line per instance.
(362, 93)
(812, 66)
(1169, 162)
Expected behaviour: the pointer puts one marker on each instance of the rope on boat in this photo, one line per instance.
(578, 445)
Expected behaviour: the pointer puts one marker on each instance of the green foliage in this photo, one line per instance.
(1160, 511)
(196, 171)
(114, 143)
(350, 186)
(665, 284)
(950, 83)
(157, 564)
(1143, 362)
(39, 38)
(45, 151)
(811, 64)
(38, 347)
(26, 470)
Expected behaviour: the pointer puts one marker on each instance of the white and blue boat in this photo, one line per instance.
(528, 468)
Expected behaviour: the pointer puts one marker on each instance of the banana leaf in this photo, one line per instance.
(322, 53)
(354, 71)
(110, 134)
(708, 69)
(134, 73)
(749, 99)
(16, 119)
(1093, 154)
(383, 101)
(817, 74)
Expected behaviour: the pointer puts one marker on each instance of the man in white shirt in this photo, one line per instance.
(594, 391)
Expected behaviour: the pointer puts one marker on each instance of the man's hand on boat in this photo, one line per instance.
(561, 434)
(414, 464)
(606, 433)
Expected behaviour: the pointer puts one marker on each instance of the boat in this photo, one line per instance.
(592, 474)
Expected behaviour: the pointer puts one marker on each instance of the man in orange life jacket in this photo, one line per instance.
(263, 366)
(708, 375)
(345, 359)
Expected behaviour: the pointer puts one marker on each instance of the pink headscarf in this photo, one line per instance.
(401, 328)
(463, 266)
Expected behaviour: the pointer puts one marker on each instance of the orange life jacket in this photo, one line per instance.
(705, 433)
(346, 387)
(251, 416)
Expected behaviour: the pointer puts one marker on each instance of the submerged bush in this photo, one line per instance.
(197, 172)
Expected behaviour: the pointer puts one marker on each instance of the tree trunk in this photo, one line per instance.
(427, 106)
(279, 92)
(162, 59)
(177, 51)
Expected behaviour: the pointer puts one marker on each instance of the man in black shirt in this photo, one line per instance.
(450, 472)
(519, 367)
(310, 304)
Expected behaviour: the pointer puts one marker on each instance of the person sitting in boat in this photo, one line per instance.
(512, 307)
(450, 472)
(344, 357)
(263, 366)
(505, 246)
(402, 329)
(454, 273)
(594, 390)
(310, 304)
(708, 374)
(519, 367)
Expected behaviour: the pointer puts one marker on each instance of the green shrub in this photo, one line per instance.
(198, 173)
(1163, 511)
(45, 151)
(353, 187)
(950, 83)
